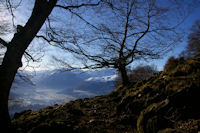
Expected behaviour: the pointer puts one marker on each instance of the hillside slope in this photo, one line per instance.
(168, 102)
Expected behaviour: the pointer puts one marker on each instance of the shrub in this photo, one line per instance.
(139, 73)
(171, 63)
(193, 45)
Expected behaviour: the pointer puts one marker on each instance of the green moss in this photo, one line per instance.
(170, 130)
(151, 109)
(149, 106)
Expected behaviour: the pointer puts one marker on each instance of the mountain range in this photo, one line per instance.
(57, 87)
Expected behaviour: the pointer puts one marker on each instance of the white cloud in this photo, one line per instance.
(103, 78)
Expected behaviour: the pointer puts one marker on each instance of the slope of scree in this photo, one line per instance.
(168, 102)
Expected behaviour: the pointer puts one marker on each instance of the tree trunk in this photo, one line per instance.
(7, 74)
(124, 76)
(15, 51)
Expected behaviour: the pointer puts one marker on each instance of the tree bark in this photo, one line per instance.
(15, 51)
(124, 76)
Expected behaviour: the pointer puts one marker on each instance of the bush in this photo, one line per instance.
(171, 63)
(139, 73)
(142, 72)
(193, 45)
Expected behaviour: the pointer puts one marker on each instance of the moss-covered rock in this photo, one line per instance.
(169, 130)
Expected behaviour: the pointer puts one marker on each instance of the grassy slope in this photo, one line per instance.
(167, 102)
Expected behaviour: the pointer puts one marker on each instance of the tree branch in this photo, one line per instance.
(78, 51)
(131, 54)
(50, 40)
(78, 6)
(84, 20)
(10, 9)
(70, 67)
(26, 53)
(69, 8)
(125, 29)
(4, 43)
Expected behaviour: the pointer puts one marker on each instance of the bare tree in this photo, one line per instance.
(121, 32)
(171, 63)
(16, 48)
(193, 46)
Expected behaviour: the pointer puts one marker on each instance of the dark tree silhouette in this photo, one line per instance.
(16, 48)
(121, 32)
(193, 46)
(171, 63)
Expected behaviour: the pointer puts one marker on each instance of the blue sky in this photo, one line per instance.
(24, 11)
(37, 95)
(193, 16)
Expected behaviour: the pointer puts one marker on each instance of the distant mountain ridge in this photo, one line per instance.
(58, 86)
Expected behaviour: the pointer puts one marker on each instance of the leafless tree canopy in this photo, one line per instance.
(193, 46)
(117, 33)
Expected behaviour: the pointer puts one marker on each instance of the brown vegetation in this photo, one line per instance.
(139, 73)
(167, 102)
(193, 45)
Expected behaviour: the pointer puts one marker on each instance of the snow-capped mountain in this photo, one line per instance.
(57, 87)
